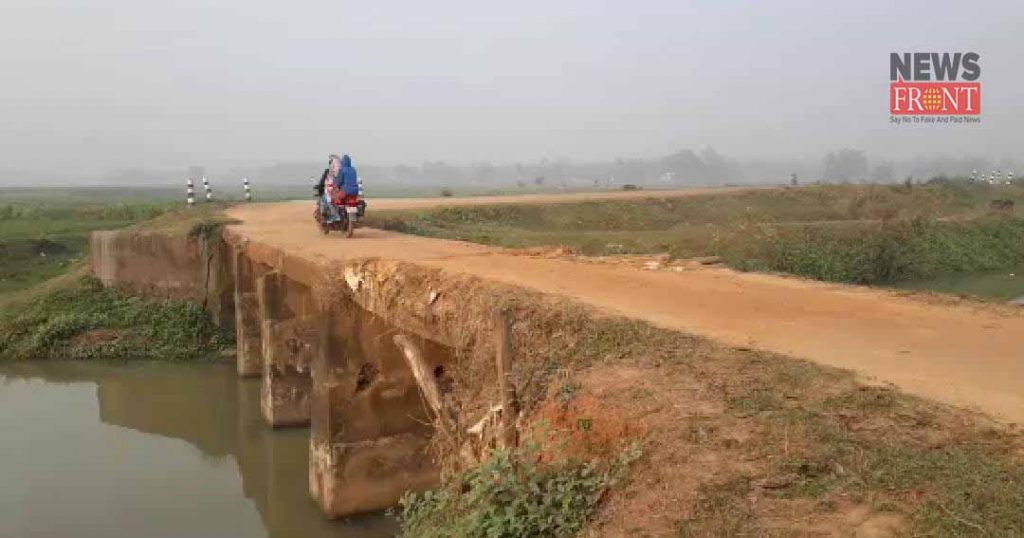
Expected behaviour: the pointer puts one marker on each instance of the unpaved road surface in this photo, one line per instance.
(381, 204)
(967, 355)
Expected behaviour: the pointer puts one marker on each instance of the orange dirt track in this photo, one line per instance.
(967, 355)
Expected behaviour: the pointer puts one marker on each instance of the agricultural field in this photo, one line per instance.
(49, 299)
(41, 237)
(920, 236)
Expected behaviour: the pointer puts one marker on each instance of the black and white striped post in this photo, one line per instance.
(974, 176)
(245, 185)
(190, 193)
(1009, 178)
(209, 191)
(312, 183)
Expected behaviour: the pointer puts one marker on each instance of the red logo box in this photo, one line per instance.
(934, 98)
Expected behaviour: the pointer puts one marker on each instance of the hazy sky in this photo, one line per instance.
(93, 85)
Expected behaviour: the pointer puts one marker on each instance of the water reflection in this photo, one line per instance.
(151, 450)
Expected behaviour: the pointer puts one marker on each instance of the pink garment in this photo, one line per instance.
(333, 168)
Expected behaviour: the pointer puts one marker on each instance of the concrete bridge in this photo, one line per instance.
(316, 318)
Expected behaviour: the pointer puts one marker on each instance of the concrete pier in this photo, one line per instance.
(247, 321)
(289, 342)
(371, 429)
(325, 362)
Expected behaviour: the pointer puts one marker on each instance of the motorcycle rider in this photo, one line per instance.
(325, 189)
(348, 181)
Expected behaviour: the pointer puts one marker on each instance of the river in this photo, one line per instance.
(155, 450)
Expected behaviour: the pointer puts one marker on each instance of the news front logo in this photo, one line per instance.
(931, 87)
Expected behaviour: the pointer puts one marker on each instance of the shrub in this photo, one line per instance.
(512, 496)
(58, 329)
(208, 228)
(59, 325)
(896, 251)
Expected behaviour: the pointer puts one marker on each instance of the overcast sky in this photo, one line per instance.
(93, 85)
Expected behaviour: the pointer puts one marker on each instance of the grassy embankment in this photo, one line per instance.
(857, 234)
(82, 320)
(39, 241)
(665, 434)
(51, 309)
(739, 442)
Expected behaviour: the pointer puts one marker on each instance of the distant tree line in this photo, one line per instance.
(703, 166)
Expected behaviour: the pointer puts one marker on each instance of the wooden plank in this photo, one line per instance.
(506, 390)
(421, 371)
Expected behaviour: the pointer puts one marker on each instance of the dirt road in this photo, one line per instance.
(381, 204)
(963, 355)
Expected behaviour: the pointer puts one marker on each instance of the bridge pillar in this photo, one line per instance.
(289, 343)
(247, 321)
(370, 430)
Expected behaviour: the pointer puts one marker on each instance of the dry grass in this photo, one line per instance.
(744, 444)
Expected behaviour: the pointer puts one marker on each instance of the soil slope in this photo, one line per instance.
(967, 355)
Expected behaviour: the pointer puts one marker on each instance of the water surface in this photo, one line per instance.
(151, 450)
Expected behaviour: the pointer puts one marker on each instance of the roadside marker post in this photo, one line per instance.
(245, 185)
(190, 195)
(209, 191)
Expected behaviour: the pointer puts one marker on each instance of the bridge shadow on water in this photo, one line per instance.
(218, 413)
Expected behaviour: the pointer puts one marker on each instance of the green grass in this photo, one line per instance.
(40, 240)
(512, 496)
(42, 237)
(889, 252)
(860, 234)
(86, 321)
(1004, 284)
(24, 262)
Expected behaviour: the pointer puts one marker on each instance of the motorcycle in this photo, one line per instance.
(342, 215)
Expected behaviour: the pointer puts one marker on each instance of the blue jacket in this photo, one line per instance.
(348, 179)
